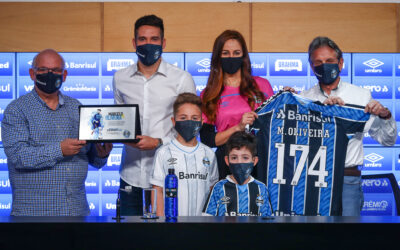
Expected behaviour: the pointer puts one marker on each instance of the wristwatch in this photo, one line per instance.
(160, 143)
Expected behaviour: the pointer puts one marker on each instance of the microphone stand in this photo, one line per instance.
(118, 217)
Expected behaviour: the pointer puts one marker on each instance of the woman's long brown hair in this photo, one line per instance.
(215, 84)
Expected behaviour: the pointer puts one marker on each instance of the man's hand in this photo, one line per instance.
(332, 100)
(103, 150)
(145, 143)
(71, 146)
(375, 108)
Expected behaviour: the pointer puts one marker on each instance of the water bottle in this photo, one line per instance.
(171, 195)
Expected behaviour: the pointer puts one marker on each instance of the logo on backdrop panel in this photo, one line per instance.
(381, 185)
(5, 187)
(3, 160)
(198, 64)
(6, 87)
(200, 82)
(7, 64)
(377, 159)
(82, 64)
(110, 182)
(112, 62)
(397, 64)
(288, 64)
(107, 88)
(5, 204)
(92, 182)
(381, 88)
(258, 64)
(114, 160)
(299, 84)
(81, 88)
(108, 205)
(377, 204)
(373, 64)
(3, 105)
(24, 63)
(94, 204)
(175, 59)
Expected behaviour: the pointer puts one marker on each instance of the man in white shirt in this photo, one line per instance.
(153, 84)
(326, 60)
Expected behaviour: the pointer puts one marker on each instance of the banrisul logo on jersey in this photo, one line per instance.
(378, 159)
(112, 62)
(7, 64)
(5, 187)
(288, 64)
(373, 65)
(81, 64)
(81, 88)
(377, 204)
(110, 182)
(198, 64)
(381, 185)
(92, 182)
(258, 64)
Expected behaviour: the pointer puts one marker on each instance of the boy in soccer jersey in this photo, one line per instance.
(194, 163)
(239, 194)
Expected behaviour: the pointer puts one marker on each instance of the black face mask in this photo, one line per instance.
(231, 65)
(49, 82)
(188, 129)
(241, 171)
(327, 73)
(148, 54)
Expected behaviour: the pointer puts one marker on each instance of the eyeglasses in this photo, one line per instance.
(44, 70)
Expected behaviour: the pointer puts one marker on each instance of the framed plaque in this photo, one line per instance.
(109, 123)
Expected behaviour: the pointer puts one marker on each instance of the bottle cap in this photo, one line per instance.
(171, 171)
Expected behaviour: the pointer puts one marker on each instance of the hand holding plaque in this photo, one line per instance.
(109, 123)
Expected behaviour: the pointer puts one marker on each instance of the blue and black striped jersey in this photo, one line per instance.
(230, 199)
(302, 149)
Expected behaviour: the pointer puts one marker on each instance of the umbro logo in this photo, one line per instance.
(373, 63)
(205, 63)
(373, 157)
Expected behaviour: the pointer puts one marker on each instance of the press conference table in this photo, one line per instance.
(199, 232)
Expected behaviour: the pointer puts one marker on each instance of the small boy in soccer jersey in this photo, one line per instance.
(194, 163)
(239, 194)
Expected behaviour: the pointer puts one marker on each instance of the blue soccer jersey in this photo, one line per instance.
(230, 199)
(302, 149)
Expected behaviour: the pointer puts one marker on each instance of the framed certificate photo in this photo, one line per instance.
(109, 123)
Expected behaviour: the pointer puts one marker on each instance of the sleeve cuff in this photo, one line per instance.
(157, 182)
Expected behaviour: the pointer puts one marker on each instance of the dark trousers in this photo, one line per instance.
(131, 201)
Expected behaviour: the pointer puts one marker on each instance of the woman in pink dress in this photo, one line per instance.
(231, 95)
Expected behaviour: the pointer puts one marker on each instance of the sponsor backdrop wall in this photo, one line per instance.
(90, 80)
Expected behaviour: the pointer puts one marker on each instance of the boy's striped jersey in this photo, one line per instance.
(230, 199)
(302, 149)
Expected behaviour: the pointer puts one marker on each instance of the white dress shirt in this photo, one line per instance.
(383, 131)
(155, 97)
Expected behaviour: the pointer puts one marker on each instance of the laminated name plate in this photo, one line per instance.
(109, 123)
